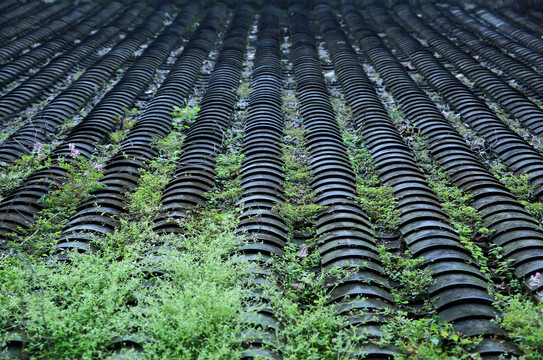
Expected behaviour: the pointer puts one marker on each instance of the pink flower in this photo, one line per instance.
(37, 147)
(75, 153)
(86, 173)
(98, 166)
(534, 280)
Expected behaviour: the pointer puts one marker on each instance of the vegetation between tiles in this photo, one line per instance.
(78, 309)
(193, 311)
(82, 308)
(519, 185)
(300, 208)
(414, 336)
(522, 314)
(375, 198)
(311, 327)
(12, 176)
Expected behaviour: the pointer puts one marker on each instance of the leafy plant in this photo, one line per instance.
(228, 165)
(228, 178)
(523, 320)
(427, 339)
(413, 280)
(144, 201)
(380, 205)
(117, 136)
(297, 170)
(13, 175)
(169, 147)
(298, 275)
(520, 186)
(300, 208)
(244, 90)
(377, 200)
(311, 327)
(82, 178)
(77, 309)
(300, 215)
(125, 124)
(185, 115)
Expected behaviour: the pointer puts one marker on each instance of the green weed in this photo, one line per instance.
(81, 179)
(377, 200)
(300, 208)
(520, 186)
(244, 90)
(228, 189)
(311, 327)
(523, 320)
(13, 175)
(380, 205)
(144, 201)
(413, 280)
(185, 115)
(298, 216)
(77, 309)
(427, 339)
